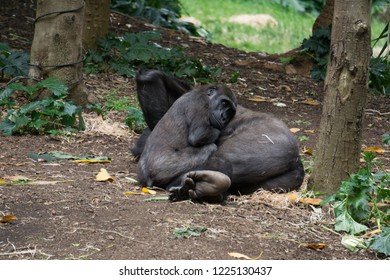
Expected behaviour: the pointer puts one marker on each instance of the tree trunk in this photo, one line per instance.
(56, 49)
(346, 86)
(96, 20)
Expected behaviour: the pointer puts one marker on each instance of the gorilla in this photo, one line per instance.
(232, 150)
(185, 137)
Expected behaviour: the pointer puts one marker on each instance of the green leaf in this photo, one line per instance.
(381, 243)
(58, 88)
(344, 221)
(353, 243)
(187, 232)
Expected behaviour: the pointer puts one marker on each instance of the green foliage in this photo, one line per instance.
(159, 12)
(356, 203)
(135, 120)
(379, 66)
(48, 115)
(13, 63)
(381, 243)
(386, 139)
(310, 6)
(135, 50)
(318, 47)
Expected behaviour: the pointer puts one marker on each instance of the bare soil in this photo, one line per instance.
(64, 213)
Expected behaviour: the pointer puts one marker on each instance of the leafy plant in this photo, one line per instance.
(12, 63)
(379, 66)
(135, 120)
(47, 115)
(357, 204)
(135, 50)
(165, 13)
(318, 47)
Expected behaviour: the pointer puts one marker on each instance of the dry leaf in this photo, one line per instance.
(258, 99)
(242, 256)
(294, 129)
(374, 149)
(308, 152)
(371, 233)
(92, 160)
(7, 218)
(146, 190)
(309, 131)
(103, 176)
(294, 198)
(132, 193)
(318, 246)
(311, 102)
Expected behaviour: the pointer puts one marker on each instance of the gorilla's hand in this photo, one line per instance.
(204, 185)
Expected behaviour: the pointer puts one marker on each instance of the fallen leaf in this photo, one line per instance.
(294, 129)
(132, 181)
(294, 198)
(374, 149)
(318, 246)
(132, 193)
(258, 99)
(311, 102)
(146, 190)
(242, 256)
(92, 160)
(158, 198)
(7, 218)
(308, 152)
(103, 176)
(309, 131)
(371, 233)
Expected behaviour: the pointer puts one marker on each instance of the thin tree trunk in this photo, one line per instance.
(56, 50)
(346, 86)
(96, 21)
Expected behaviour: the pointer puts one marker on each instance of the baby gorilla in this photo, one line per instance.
(185, 138)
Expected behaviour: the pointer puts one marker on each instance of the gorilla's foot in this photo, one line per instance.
(201, 185)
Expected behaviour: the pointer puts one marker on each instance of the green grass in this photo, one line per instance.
(292, 26)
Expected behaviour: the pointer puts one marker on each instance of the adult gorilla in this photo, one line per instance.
(254, 150)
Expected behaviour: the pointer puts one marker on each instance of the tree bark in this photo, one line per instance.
(96, 21)
(56, 49)
(346, 86)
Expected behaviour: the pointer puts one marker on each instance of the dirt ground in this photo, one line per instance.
(64, 213)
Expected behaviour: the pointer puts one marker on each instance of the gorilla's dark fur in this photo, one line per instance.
(244, 153)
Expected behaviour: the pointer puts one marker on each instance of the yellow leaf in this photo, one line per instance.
(312, 201)
(132, 193)
(258, 99)
(7, 218)
(146, 190)
(242, 256)
(92, 160)
(318, 246)
(311, 102)
(308, 152)
(375, 149)
(293, 198)
(103, 176)
(3, 182)
(371, 233)
(294, 129)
